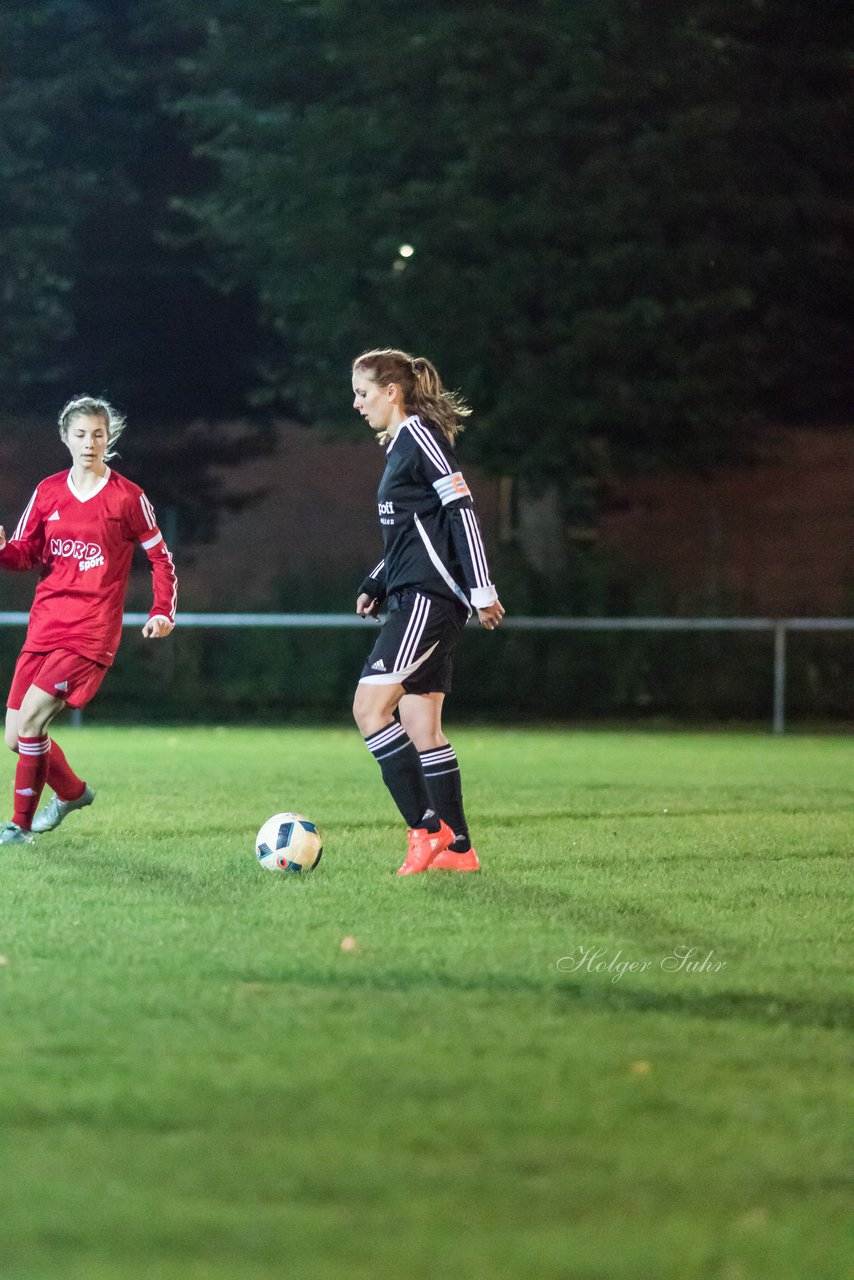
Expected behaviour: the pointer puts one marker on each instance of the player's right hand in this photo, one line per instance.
(2, 537)
(366, 605)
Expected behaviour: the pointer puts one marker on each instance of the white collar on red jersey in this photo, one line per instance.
(85, 497)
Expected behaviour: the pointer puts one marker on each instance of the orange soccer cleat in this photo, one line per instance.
(424, 846)
(450, 861)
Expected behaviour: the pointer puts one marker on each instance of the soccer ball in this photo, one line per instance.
(289, 842)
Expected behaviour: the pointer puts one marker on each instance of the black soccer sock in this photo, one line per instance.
(442, 775)
(395, 753)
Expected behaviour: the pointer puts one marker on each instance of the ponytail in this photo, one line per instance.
(427, 380)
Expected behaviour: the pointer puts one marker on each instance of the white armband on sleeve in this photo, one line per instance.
(451, 488)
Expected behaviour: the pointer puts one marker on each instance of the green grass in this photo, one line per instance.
(196, 1081)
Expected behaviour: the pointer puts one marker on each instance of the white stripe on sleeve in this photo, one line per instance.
(173, 603)
(423, 437)
(475, 545)
(21, 529)
(148, 512)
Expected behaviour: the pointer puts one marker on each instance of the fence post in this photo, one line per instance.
(779, 719)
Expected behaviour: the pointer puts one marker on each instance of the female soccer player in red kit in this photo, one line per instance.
(79, 529)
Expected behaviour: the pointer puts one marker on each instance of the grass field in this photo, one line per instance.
(198, 1081)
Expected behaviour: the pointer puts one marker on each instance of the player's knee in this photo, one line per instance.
(361, 710)
(10, 737)
(371, 710)
(33, 725)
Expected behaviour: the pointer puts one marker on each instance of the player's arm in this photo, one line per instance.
(161, 617)
(25, 548)
(468, 544)
(455, 496)
(372, 592)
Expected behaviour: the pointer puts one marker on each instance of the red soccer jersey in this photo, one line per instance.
(84, 544)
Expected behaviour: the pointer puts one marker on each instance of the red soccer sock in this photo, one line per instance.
(30, 777)
(61, 777)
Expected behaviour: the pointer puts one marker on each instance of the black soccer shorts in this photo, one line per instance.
(416, 645)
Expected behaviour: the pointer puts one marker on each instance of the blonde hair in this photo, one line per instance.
(92, 407)
(420, 386)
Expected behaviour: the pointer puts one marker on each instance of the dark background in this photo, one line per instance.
(631, 235)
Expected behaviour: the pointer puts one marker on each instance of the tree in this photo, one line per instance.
(630, 231)
(593, 254)
(627, 220)
(102, 291)
(42, 195)
(715, 223)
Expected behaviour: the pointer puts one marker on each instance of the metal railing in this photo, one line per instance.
(778, 627)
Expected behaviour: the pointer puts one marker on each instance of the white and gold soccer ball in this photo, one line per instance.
(289, 842)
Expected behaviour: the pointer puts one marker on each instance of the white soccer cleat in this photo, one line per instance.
(56, 810)
(11, 833)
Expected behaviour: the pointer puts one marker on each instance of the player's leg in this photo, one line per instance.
(10, 732)
(421, 715)
(26, 668)
(70, 792)
(396, 754)
(35, 713)
(78, 679)
(9, 832)
(61, 778)
(404, 645)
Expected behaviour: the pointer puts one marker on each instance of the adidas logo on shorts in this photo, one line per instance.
(379, 665)
(61, 686)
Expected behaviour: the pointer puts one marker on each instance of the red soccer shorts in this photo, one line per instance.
(60, 673)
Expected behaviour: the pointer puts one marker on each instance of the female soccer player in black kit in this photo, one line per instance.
(433, 575)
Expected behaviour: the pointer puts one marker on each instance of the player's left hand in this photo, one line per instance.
(491, 616)
(157, 628)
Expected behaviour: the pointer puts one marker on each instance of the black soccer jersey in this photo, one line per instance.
(430, 531)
